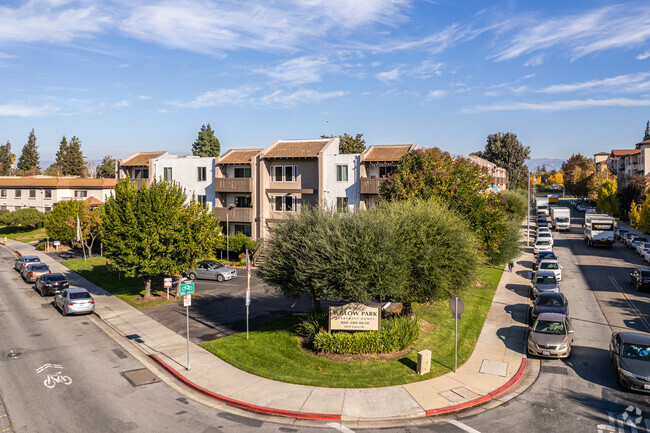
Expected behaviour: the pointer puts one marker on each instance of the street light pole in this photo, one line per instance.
(528, 215)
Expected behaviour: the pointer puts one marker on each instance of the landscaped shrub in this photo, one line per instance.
(41, 246)
(29, 217)
(311, 324)
(397, 333)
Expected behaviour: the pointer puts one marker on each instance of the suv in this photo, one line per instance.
(23, 261)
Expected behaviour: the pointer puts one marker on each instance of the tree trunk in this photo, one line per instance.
(317, 305)
(407, 309)
(147, 287)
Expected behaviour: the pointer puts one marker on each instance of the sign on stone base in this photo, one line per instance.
(355, 317)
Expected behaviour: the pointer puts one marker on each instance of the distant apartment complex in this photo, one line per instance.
(627, 163)
(497, 175)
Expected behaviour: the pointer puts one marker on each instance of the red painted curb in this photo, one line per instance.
(489, 396)
(243, 405)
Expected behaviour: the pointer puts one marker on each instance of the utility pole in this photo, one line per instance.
(528, 214)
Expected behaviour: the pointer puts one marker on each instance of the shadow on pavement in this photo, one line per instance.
(513, 337)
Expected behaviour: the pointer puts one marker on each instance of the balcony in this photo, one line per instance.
(370, 185)
(233, 184)
(238, 214)
(141, 182)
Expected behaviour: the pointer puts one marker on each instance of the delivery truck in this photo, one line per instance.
(599, 229)
(560, 218)
(541, 205)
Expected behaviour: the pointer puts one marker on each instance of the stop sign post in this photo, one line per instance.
(168, 285)
(457, 308)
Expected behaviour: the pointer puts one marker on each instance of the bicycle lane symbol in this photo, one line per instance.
(54, 378)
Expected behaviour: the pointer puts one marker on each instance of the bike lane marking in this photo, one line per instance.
(54, 378)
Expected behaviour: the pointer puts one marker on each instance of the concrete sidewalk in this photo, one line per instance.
(497, 363)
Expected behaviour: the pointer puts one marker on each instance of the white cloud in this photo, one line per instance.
(302, 70)
(436, 94)
(558, 105)
(16, 110)
(428, 68)
(643, 55)
(391, 75)
(626, 83)
(237, 96)
(144, 97)
(121, 104)
(283, 99)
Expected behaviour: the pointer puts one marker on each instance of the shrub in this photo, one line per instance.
(25, 218)
(239, 242)
(311, 324)
(41, 246)
(397, 333)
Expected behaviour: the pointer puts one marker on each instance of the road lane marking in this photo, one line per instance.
(462, 426)
(340, 427)
(636, 310)
(46, 366)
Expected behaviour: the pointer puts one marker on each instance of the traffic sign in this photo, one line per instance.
(187, 288)
(168, 283)
(187, 300)
(457, 307)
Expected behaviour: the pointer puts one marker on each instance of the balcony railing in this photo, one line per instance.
(238, 214)
(140, 182)
(233, 184)
(370, 185)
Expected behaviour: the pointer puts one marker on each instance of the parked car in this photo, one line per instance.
(33, 271)
(627, 237)
(542, 229)
(636, 241)
(630, 354)
(549, 302)
(544, 281)
(553, 266)
(551, 336)
(640, 278)
(642, 247)
(542, 245)
(619, 232)
(545, 237)
(543, 255)
(581, 208)
(51, 284)
(74, 301)
(211, 270)
(23, 261)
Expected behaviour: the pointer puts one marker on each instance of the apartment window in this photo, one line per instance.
(342, 203)
(48, 193)
(277, 173)
(277, 203)
(141, 173)
(167, 173)
(203, 199)
(341, 173)
(286, 203)
(17, 208)
(80, 194)
(32, 193)
(48, 209)
(3, 193)
(290, 203)
(3, 207)
(19, 194)
(243, 201)
(242, 172)
(289, 173)
(284, 173)
(202, 174)
(244, 229)
(386, 171)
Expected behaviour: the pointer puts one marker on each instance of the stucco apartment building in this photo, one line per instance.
(627, 163)
(193, 173)
(43, 192)
(377, 162)
(498, 175)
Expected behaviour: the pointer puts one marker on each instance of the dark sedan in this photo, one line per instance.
(630, 353)
(640, 278)
(549, 302)
(51, 284)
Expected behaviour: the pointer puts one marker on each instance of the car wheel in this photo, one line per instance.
(192, 276)
(63, 311)
(42, 294)
(220, 278)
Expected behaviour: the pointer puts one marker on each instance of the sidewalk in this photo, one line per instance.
(497, 363)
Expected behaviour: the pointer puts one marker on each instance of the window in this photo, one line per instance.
(167, 173)
(243, 201)
(290, 203)
(386, 171)
(19, 193)
(32, 193)
(202, 174)
(286, 173)
(3, 207)
(289, 173)
(277, 203)
(244, 229)
(80, 194)
(203, 199)
(242, 172)
(277, 173)
(342, 203)
(3, 193)
(141, 173)
(48, 209)
(48, 193)
(341, 173)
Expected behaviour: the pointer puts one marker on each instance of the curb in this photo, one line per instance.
(243, 405)
(489, 396)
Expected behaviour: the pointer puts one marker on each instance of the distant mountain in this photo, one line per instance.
(551, 163)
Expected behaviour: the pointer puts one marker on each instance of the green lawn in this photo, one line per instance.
(130, 290)
(23, 234)
(274, 352)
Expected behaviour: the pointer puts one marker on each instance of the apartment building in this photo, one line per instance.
(193, 173)
(43, 192)
(376, 163)
(625, 162)
(497, 175)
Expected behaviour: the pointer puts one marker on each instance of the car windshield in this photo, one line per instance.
(544, 235)
(216, 266)
(543, 243)
(39, 268)
(545, 279)
(31, 259)
(549, 327)
(79, 295)
(636, 351)
(550, 265)
(546, 255)
(550, 301)
(55, 277)
(645, 274)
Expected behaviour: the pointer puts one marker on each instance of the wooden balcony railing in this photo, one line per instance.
(370, 185)
(233, 184)
(238, 214)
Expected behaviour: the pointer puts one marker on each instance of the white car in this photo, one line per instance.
(642, 247)
(543, 230)
(542, 245)
(545, 237)
(553, 266)
(646, 256)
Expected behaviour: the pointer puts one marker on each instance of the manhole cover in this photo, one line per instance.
(120, 354)
(139, 377)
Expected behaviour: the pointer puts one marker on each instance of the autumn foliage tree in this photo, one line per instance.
(607, 200)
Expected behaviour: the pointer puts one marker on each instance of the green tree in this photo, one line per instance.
(206, 143)
(29, 161)
(348, 143)
(631, 190)
(643, 223)
(7, 160)
(633, 214)
(646, 136)
(607, 199)
(74, 159)
(506, 151)
(61, 223)
(28, 217)
(577, 172)
(150, 231)
(107, 168)
(60, 161)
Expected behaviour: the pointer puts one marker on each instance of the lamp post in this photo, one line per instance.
(232, 206)
(528, 215)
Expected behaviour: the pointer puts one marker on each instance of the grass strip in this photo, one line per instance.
(23, 234)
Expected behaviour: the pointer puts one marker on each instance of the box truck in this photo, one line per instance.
(599, 229)
(541, 205)
(560, 218)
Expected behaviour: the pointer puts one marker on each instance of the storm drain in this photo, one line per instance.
(553, 369)
(139, 377)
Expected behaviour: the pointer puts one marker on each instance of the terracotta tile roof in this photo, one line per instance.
(386, 152)
(625, 152)
(139, 159)
(93, 201)
(643, 143)
(55, 182)
(238, 156)
(604, 153)
(296, 148)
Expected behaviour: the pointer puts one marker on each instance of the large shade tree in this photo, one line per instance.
(349, 143)
(206, 143)
(61, 223)
(607, 199)
(506, 151)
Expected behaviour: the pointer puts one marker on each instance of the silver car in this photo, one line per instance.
(74, 301)
(23, 261)
(544, 281)
(211, 270)
(545, 236)
(551, 336)
(542, 245)
(34, 270)
(551, 265)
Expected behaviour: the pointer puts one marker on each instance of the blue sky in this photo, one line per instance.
(127, 76)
